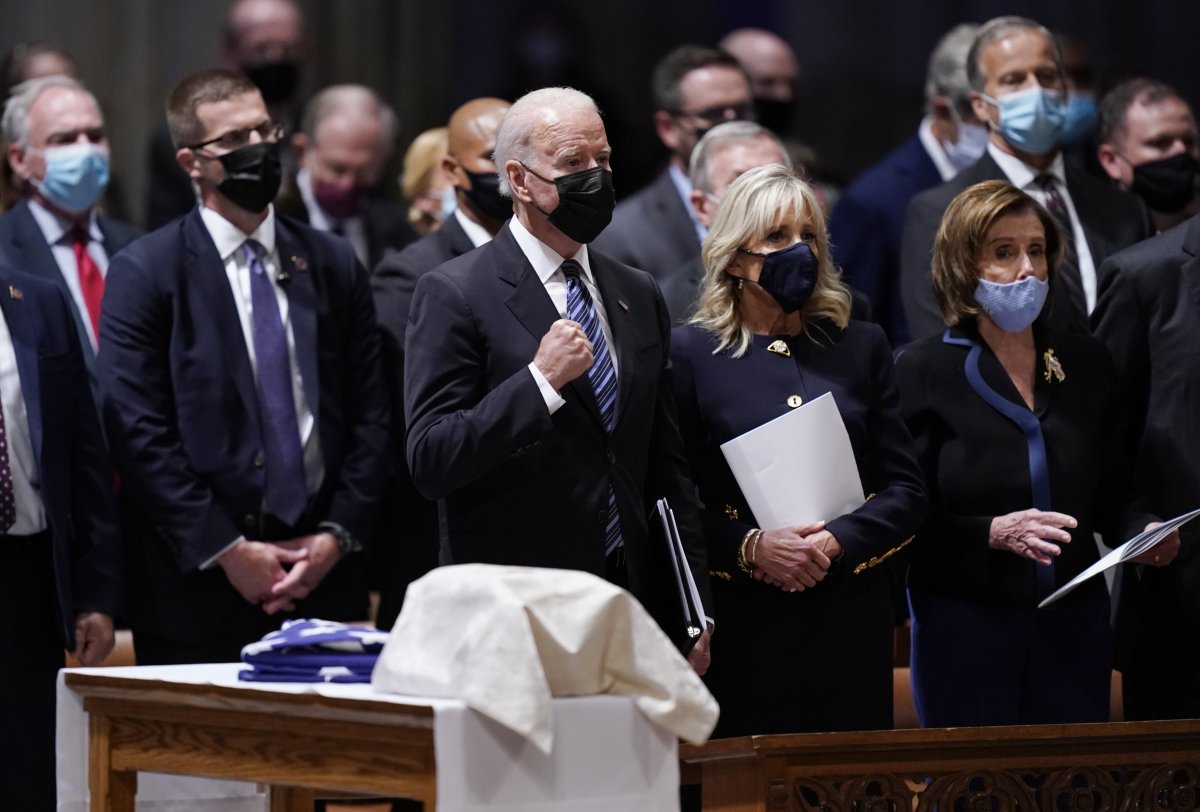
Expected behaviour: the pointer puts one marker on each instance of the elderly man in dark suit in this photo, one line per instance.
(60, 555)
(867, 221)
(1018, 89)
(1147, 317)
(480, 213)
(58, 150)
(243, 397)
(536, 390)
(695, 88)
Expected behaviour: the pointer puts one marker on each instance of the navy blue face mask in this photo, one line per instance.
(788, 275)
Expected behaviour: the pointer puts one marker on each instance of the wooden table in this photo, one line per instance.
(297, 743)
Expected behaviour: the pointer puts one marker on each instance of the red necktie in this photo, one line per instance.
(91, 281)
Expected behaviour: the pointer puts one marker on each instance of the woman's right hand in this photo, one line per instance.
(786, 559)
(1031, 534)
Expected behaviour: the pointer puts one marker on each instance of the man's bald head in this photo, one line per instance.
(469, 163)
(768, 60)
(264, 33)
(473, 126)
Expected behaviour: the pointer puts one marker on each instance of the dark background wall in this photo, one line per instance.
(863, 62)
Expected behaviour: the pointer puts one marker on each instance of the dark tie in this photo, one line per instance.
(1055, 204)
(8, 506)
(601, 374)
(1070, 304)
(286, 490)
(91, 281)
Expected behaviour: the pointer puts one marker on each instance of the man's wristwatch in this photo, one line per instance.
(346, 542)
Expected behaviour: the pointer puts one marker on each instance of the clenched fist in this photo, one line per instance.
(564, 354)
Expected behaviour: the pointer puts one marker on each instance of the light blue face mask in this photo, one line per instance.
(1014, 306)
(1081, 117)
(970, 146)
(1032, 119)
(76, 175)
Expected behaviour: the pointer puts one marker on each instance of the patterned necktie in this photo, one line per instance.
(1054, 203)
(601, 374)
(8, 506)
(91, 281)
(286, 489)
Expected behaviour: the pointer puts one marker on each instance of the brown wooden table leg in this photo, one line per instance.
(111, 791)
(733, 786)
(291, 799)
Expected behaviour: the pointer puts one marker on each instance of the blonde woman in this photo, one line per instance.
(805, 638)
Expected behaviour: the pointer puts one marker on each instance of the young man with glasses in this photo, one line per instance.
(241, 376)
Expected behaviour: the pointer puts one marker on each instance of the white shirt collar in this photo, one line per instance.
(477, 234)
(317, 218)
(229, 238)
(1021, 174)
(54, 228)
(937, 153)
(683, 185)
(544, 259)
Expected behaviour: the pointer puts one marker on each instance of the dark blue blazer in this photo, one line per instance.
(24, 247)
(867, 224)
(521, 486)
(181, 408)
(76, 477)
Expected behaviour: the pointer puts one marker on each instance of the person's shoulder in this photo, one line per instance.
(645, 197)
(1162, 250)
(416, 258)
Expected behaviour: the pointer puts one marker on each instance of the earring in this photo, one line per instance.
(739, 284)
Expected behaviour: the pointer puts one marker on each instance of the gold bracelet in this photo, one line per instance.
(742, 563)
(754, 549)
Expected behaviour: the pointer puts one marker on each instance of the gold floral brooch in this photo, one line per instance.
(1054, 370)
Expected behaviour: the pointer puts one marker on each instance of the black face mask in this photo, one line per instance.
(1167, 185)
(276, 81)
(485, 196)
(776, 116)
(788, 275)
(585, 203)
(252, 175)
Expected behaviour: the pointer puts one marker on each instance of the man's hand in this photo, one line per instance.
(1162, 553)
(319, 554)
(93, 637)
(254, 567)
(564, 354)
(700, 657)
(788, 559)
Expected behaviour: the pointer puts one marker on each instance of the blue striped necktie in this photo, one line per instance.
(601, 374)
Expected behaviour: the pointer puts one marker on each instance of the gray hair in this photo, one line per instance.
(514, 138)
(722, 136)
(947, 72)
(337, 98)
(15, 122)
(996, 29)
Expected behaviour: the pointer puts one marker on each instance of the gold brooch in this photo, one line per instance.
(780, 347)
(1054, 370)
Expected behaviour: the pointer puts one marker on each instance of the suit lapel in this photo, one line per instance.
(302, 310)
(24, 342)
(666, 198)
(1190, 270)
(620, 324)
(205, 271)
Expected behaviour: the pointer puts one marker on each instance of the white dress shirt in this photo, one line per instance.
(27, 495)
(477, 234)
(546, 264)
(353, 228)
(62, 246)
(1023, 176)
(937, 153)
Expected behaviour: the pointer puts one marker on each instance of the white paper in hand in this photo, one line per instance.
(798, 468)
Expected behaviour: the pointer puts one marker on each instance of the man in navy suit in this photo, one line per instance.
(58, 150)
(536, 390)
(60, 554)
(243, 398)
(867, 221)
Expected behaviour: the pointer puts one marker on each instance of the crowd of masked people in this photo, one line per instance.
(293, 391)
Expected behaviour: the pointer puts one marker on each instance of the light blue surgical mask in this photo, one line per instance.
(1081, 117)
(449, 202)
(970, 146)
(1014, 306)
(1032, 119)
(76, 175)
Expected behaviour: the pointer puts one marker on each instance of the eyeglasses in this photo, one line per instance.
(726, 112)
(236, 139)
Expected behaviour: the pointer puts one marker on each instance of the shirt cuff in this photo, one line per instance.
(554, 401)
(210, 562)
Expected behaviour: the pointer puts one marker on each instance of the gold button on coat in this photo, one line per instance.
(794, 400)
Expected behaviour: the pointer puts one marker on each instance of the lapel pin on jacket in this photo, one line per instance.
(300, 263)
(624, 306)
(15, 293)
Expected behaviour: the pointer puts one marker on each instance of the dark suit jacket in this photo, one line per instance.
(385, 223)
(24, 247)
(867, 224)
(1111, 219)
(75, 475)
(1148, 315)
(652, 231)
(519, 485)
(411, 517)
(182, 413)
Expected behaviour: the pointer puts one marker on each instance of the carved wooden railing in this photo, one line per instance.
(1118, 767)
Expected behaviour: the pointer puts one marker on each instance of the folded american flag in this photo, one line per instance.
(314, 651)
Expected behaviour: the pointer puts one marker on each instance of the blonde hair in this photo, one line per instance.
(755, 205)
(422, 162)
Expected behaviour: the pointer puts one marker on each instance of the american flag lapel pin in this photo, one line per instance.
(300, 263)
(624, 306)
(15, 293)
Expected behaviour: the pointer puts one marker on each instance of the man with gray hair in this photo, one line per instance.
(347, 138)
(724, 153)
(1018, 87)
(58, 151)
(536, 395)
(868, 219)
